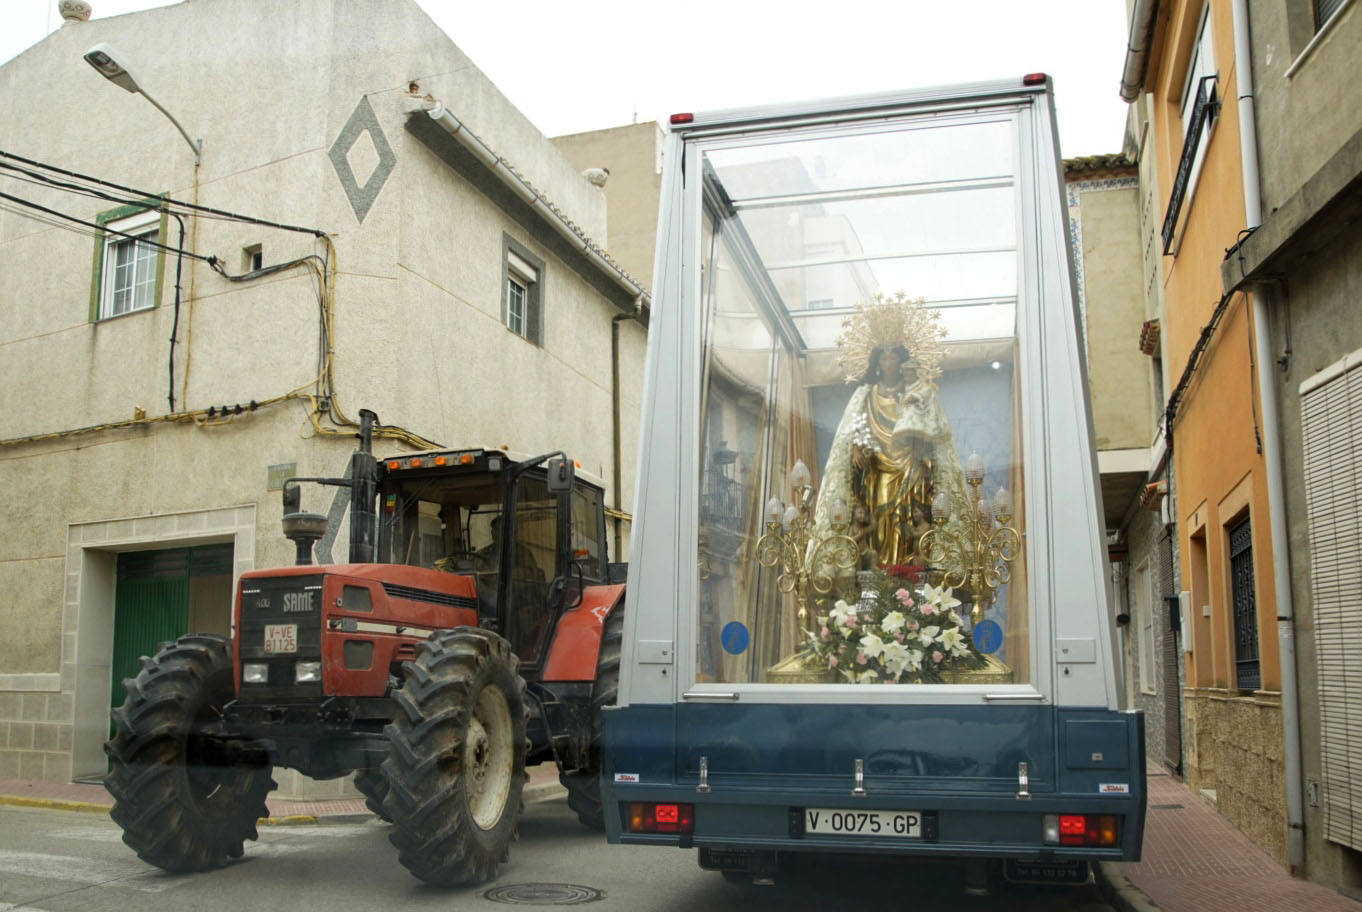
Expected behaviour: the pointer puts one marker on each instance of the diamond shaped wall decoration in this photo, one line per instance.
(362, 120)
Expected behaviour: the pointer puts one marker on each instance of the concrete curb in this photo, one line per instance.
(535, 794)
(1120, 892)
(54, 804)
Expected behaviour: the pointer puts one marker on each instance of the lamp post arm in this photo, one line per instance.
(195, 144)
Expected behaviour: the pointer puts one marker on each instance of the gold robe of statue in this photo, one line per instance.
(891, 455)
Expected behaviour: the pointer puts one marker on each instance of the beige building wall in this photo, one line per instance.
(633, 156)
(418, 334)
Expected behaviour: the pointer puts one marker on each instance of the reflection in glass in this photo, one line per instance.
(859, 316)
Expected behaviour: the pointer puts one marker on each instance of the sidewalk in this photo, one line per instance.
(541, 785)
(1194, 860)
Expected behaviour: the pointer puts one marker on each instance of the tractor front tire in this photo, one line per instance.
(456, 757)
(374, 788)
(184, 803)
(584, 786)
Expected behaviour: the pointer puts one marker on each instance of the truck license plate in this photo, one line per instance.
(280, 638)
(847, 822)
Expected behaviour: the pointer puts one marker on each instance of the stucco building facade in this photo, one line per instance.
(452, 275)
(1305, 261)
(1182, 68)
(1121, 309)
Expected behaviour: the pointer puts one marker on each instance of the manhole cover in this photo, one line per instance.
(544, 894)
(1165, 807)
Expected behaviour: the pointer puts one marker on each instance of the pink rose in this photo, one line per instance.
(929, 609)
(851, 623)
(905, 597)
(832, 661)
(860, 658)
(899, 637)
(825, 633)
(937, 656)
(912, 625)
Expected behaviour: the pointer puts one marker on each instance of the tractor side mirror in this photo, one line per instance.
(561, 475)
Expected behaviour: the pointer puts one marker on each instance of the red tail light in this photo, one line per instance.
(1081, 830)
(685, 118)
(657, 817)
(1034, 79)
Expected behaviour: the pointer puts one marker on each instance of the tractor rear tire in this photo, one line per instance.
(183, 803)
(374, 788)
(456, 757)
(584, 786)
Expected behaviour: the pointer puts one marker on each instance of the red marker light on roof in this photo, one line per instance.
(1034, 79)
(682, 118)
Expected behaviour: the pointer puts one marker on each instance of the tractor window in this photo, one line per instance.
(588, 532)
(415, 534)
(533, 555)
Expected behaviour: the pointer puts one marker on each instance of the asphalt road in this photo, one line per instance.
(62, 861)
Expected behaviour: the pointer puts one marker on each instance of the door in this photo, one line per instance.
(164, 594)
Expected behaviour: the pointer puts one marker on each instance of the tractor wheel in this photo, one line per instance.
(184, 804)
(374, 788)
(584, 786)
(456, 757)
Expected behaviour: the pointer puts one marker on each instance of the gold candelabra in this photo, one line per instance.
(973, 552)
(808, 566)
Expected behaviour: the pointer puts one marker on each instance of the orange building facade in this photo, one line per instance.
(1232, 701)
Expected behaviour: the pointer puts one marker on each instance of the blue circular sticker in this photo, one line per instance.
(734, 637)
(988, 636)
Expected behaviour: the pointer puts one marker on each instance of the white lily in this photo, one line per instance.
(893, 622)
(939, 597)
(954, 641)
(841, 613)
(895, 658)
(927, 635)
(872, 646)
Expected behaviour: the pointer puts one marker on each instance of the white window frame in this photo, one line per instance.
(1201, 64)
(1143, 586)
(523, 284)
(143, 225)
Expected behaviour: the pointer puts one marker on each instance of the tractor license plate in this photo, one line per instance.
(846, 822)
(281, 638)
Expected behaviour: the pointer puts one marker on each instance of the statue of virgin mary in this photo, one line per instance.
(892, 453)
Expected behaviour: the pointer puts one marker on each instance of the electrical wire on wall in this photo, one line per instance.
(318, 393)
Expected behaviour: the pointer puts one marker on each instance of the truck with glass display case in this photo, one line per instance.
(867, 609)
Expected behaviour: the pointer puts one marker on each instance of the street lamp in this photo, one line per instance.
(109, 65)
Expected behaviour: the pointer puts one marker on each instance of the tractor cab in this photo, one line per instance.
(529, 547)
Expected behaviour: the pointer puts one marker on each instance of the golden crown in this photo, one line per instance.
(889, 322)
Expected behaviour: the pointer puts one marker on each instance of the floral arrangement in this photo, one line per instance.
(898, 631)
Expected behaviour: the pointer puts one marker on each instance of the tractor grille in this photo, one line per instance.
(413, 594)
(295, 600)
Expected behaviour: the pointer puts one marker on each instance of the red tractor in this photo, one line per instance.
(475, 631)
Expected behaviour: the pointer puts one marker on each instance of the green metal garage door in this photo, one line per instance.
(152, 601)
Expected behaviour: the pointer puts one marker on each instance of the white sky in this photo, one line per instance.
(572, 67)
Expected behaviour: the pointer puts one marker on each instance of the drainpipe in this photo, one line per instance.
(617, 480)
(1272, 453)
(1137, 48)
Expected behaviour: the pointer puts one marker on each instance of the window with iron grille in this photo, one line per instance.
(1247, 673)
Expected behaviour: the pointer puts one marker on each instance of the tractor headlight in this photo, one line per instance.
(307, 672)
(255, 673)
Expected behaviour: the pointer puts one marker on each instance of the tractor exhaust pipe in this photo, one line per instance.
(363, 491)
(305, 529)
